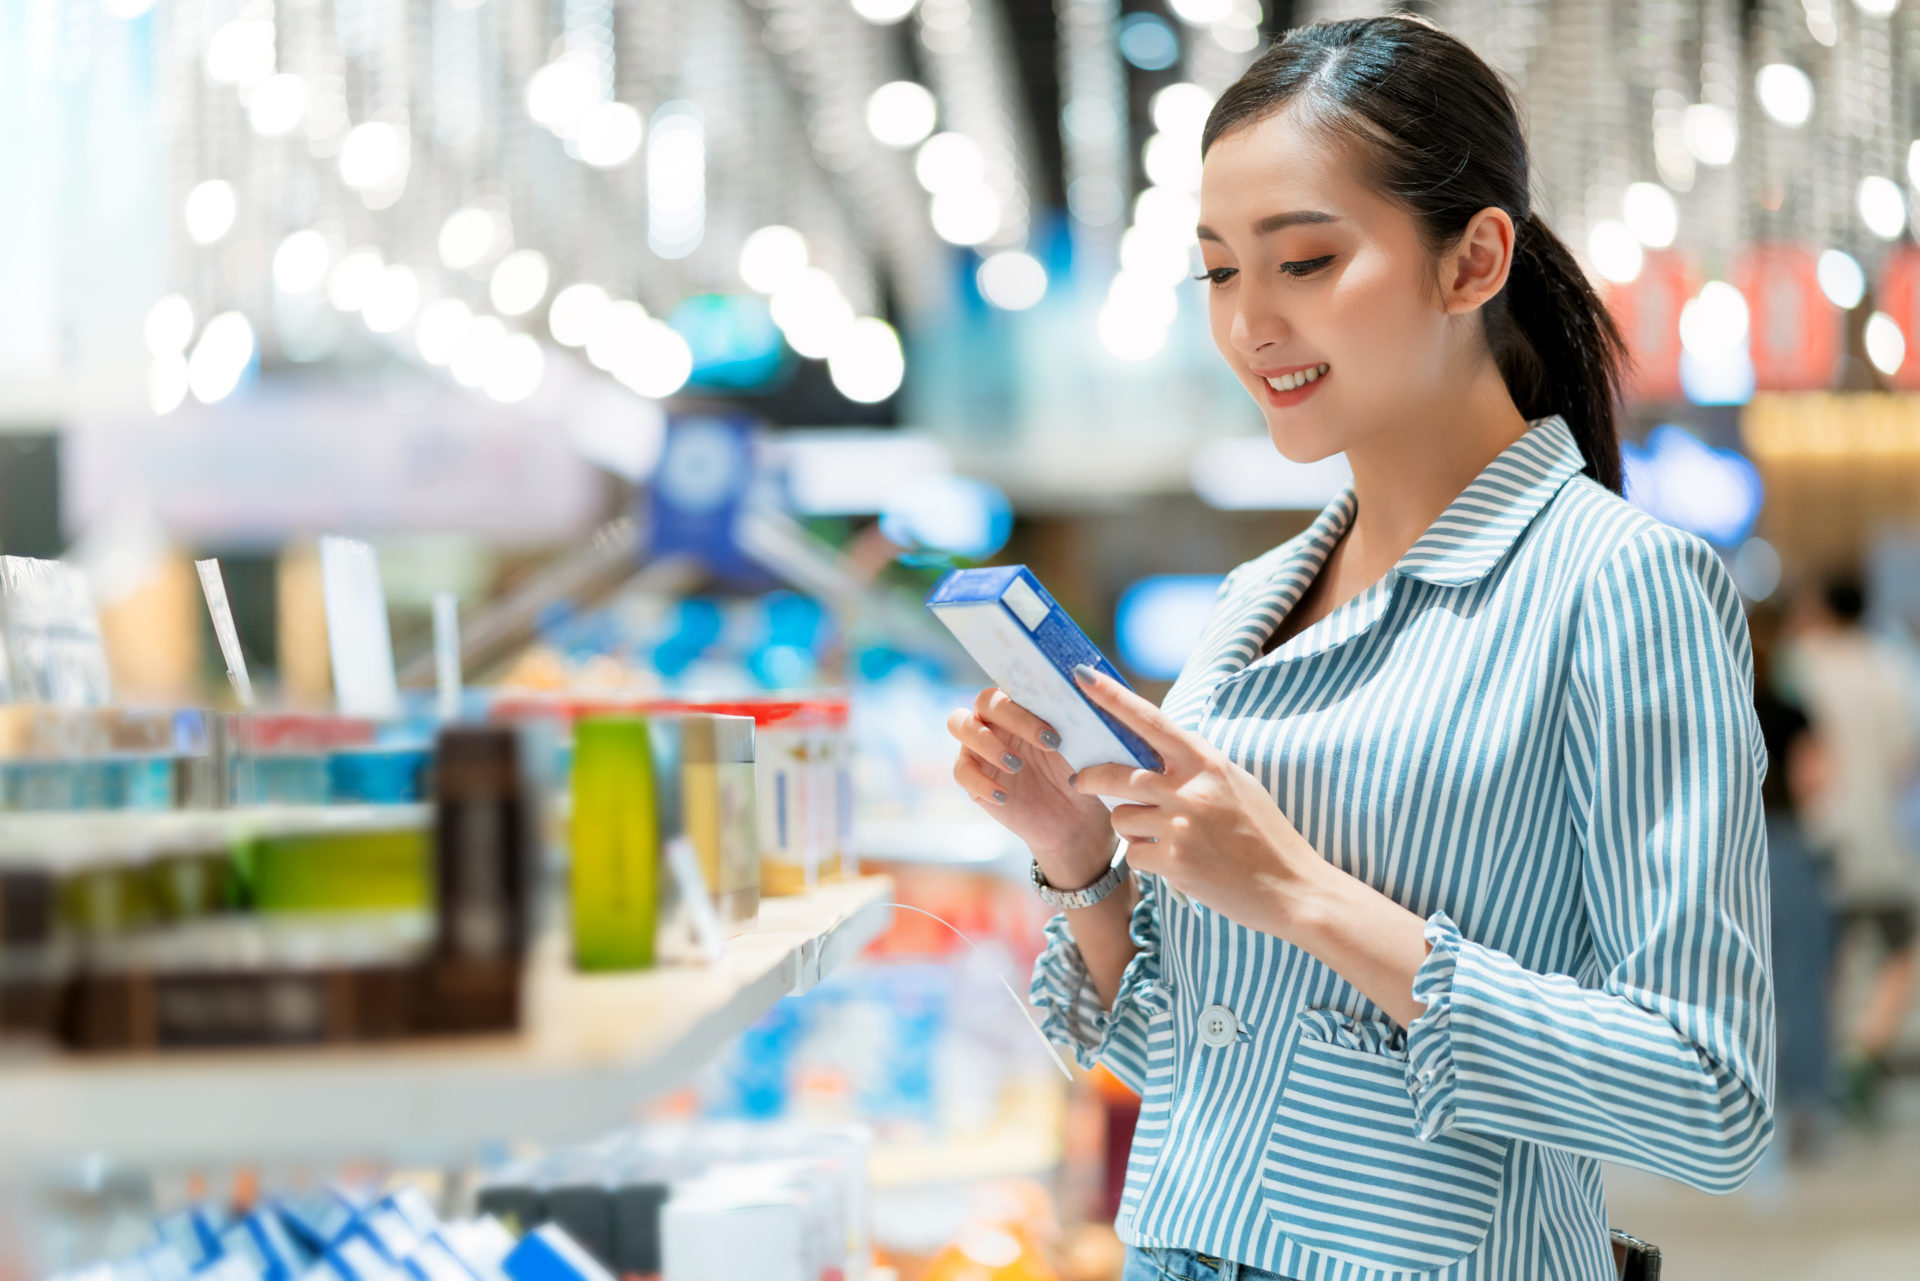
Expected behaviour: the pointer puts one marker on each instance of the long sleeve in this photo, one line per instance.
(1662, 1057)
(1073, 1014)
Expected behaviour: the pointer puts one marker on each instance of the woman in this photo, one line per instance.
(1461, 788)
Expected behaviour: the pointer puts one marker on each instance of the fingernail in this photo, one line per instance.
(999, 798)
(1073, 778)
(1049, 739)
(1011, 761)
(1084, 673)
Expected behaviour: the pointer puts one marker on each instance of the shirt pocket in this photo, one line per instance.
(1345, 1171)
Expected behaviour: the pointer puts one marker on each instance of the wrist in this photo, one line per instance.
(1305, 909)
(1076, 866)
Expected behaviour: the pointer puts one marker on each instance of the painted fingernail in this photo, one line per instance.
(1049, 739)
(1073, 778)
(1084, 673)
(999, 798)
(1011, 761)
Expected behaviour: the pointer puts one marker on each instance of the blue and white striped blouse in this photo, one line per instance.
(1537, 732)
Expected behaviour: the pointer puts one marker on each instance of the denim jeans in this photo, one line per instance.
(1154, 1263)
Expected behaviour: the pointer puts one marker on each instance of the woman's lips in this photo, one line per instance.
(1295, 385)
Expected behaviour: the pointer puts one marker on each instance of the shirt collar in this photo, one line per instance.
(1479, 526)
(1461, 547)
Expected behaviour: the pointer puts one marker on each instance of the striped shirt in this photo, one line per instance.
(1537, 732)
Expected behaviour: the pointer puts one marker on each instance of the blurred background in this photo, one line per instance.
(425, 422)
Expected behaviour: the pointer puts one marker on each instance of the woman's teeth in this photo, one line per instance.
(1287, 382)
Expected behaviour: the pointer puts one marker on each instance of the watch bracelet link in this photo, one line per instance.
(1086, 895)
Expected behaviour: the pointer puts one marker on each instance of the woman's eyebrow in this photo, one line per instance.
(1275, 222)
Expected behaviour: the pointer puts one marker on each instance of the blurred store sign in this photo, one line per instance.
(1159, 620)
(1648, 311)
(699, 493)
(948, 516)
(282, 463)
(1715, 493)
(735, 344)
(1794, 331)
(1899, 298)
(1246, 473)
(853, 473)
(1833, 425)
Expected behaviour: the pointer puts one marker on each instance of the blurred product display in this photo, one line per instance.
(476, 801)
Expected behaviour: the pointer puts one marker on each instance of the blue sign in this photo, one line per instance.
(1676, 477)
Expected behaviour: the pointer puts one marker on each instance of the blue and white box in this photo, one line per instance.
(549, 1254)
(1029, 646)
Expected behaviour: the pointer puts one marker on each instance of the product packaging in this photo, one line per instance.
(549, 1254)
(616, 868)
(484, 875)
(1030, 647)
(803, 789)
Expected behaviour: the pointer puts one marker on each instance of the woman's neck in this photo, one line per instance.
(1406, 474)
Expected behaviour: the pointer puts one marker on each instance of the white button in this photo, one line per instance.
(1426, 1076)
(1218, 1026)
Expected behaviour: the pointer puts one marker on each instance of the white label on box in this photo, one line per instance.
(1025, 603)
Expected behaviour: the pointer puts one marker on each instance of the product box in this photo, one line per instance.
(616, 867)
(549, 1254)
(1029, 647)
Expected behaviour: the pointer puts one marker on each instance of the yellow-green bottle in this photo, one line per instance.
(616, 844)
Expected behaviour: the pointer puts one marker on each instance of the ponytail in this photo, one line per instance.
(1436, 129)
(1558, 348)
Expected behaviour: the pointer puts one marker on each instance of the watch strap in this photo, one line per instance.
(1085, 896)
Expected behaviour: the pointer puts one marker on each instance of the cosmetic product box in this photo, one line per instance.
(1029, 647)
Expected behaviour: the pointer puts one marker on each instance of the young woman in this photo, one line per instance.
(1461, 788)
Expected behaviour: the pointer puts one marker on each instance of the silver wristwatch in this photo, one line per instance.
(1087, 895)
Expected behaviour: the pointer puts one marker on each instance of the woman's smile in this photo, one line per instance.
(1286, 388)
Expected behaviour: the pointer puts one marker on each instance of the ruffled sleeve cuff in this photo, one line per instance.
(1431, 1077)
(1063, 990)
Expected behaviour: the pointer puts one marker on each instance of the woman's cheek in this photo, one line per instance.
(1373, 323)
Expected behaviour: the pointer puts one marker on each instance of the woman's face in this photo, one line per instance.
(1310, 273)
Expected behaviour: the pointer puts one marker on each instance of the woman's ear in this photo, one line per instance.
(1477, 267)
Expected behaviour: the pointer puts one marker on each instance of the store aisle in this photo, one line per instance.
(1850, 1216)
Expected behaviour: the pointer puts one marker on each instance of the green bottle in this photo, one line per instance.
(616, 844)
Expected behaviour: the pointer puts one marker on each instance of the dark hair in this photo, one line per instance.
(1845, 597)
(1439, 131)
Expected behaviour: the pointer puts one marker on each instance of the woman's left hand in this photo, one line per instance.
(1202, 822)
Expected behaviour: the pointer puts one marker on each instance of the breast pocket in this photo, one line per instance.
(1346, 1172)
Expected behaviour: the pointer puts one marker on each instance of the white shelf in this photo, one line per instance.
(595, 1048)
(60, 839)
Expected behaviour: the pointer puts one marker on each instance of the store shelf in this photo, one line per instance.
(1025, 1139)
(964, 842)
(59, 838)
(596, 1048)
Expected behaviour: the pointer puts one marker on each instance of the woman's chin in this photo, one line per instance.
(1299, 443)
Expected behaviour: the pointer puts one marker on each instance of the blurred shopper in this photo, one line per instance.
(1859, 694)
(1803, 917)
(1460, 788)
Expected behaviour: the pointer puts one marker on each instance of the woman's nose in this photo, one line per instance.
(1255, 326)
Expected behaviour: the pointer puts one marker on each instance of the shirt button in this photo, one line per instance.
(1218, 1026)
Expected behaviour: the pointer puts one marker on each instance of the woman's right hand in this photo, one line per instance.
(1010, 765)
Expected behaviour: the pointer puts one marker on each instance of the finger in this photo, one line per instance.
(977, 736)
(1146, 856)
(997, 708)
(1122, 782)
(976, 782)
(1144, 824)
(1137, 714)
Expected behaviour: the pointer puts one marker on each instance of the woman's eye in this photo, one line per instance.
(1306, 267)
(1218, 276)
